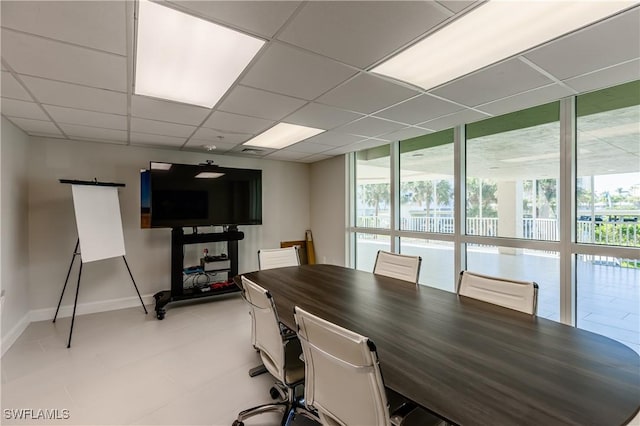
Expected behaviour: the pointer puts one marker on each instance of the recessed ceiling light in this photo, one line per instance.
(282, 135)
(187, 59)
(492, 32)
(160, 166)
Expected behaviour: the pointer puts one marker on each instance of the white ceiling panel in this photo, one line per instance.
(406, 133)
(87, 118)
(287, 155)
(456, 5)
(419, 109)
(309, 147)
(22, 109)
(12, 89)
(498, 81)
(321, 116)
(292, 72)
(525, 100)
(358, 146)
(74, 96)
(315, 158)
(94, 133)
(142, 125)
(237, 123)
(199, 145)
(36, 126)
(366, 94)
(607, 43)
(97, 24)
(360, 33)
(449, 121)
(607, 77)
(370, 127)
(40, 57)
(155, 109)
(334, 139)
(215, 137)
(258, 103)
(159, 140)
(260, 17)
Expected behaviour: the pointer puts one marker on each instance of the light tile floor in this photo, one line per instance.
(128, 368)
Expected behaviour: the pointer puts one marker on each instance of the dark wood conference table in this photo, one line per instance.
(470, 362)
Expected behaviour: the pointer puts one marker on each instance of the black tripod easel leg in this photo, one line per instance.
(73, 257)
(134, 284)
(75, 303)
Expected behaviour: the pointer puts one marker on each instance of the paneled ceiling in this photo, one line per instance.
(67, 72)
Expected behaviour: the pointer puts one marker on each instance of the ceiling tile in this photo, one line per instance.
(315, 158)
(292, 72)
(94, 133)
(419, 109)
(601, 45)
(321, 116)
(365, 144)
(36, 126)
(261, 17)
(156, 109)
(142, 125)
(525, 100)
(449, 121)
(237, 123)
(89, 118)
(495, 82)
(74, 96)
(287, 155)
(366, 94)
(334, 139)
(406, 133)
(258, 103)
(360, 33)
(215, 137)
(147, 139)
(12, 89)
(22, 109)
(370, 127)
(607, 77)
(199, 144)
(456, 5)
(97, 24)
(309, 147)
(59, 61)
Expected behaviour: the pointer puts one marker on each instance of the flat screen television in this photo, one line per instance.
(177, 195)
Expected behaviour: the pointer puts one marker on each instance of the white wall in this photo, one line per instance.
(14, 277)
(52, 232)
(328, 207)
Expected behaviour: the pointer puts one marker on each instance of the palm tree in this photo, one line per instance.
(444, 192)
(373, 194)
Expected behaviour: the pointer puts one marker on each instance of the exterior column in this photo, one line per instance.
(509, 195)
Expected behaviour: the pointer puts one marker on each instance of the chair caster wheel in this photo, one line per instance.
(237, 423)
(160, 315)
(275, 394)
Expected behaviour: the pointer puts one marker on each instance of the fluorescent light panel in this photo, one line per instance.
(160, 166)
(186, 59)
(282, 135)
(493, 31)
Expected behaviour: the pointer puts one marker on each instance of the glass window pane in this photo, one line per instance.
(367, 246)
(608, 166)
(373, 194)
(522, 264)
(437, 261)
(513, 171)
(608, 297)
(426, 183)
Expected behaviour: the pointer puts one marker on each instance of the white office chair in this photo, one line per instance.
(519, 295)
(280, 355)
(278, 258)
(342, 375)
(398, 266)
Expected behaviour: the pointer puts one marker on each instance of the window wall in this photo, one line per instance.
(549, 194)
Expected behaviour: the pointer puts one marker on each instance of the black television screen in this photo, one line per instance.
(176, 195)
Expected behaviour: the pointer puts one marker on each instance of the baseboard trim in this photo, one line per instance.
(14, 333)
(90, 308)
(66, 311)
